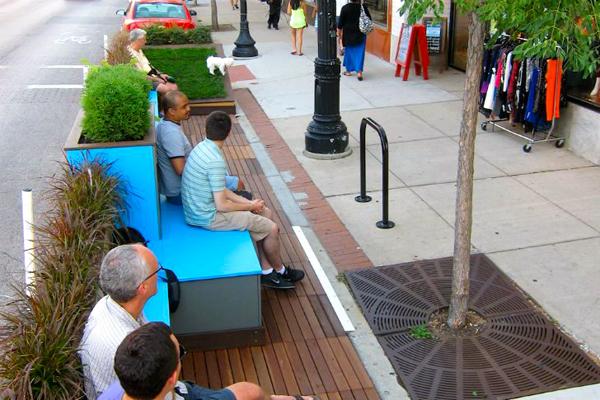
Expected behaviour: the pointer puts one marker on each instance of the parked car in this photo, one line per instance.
(168, 13)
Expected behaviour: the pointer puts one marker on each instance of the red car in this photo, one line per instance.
(168, 13)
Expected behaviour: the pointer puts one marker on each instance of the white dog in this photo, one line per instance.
(218, 62)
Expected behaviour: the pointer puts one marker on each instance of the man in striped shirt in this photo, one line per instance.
(128, 275)
(209, 204)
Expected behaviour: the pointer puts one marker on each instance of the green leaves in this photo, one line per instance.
(157, 35)
(115, 102)
(42, 330)
(565, 29)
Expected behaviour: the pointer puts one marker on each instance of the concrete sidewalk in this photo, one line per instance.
(536, 215)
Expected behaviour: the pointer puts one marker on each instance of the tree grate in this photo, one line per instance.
(518, 352)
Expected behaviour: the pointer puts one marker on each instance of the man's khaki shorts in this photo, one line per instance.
(258, 226)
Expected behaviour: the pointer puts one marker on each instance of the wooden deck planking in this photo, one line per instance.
(307, 350)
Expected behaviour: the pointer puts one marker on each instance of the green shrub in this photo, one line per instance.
(43, 329)
(115, 103)
(188, 66)
(157, 35)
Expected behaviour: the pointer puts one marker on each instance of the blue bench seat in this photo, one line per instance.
(219, 274)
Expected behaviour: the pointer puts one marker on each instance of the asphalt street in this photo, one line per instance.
(42, 47)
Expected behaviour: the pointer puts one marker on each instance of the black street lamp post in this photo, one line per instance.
(326, 135)
(244, 44)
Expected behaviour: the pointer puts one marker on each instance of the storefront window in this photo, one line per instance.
(378, 10)
(579, 90)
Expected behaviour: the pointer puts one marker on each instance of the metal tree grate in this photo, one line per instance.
(518, 352)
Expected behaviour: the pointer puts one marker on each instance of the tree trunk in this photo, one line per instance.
(464, 189)
(214, 15)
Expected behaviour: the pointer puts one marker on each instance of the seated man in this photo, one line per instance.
(128, 276)
(148, 364)
(209, 204)
(174, 147)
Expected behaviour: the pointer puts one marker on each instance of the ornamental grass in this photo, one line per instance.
(43, 329)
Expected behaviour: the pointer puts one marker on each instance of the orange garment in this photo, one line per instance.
(553, 83)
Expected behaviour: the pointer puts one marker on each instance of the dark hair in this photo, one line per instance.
(218, 125)
(169, 100)
(145, 360)
(295, 4)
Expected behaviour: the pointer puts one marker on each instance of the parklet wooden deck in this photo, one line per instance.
(307, 351)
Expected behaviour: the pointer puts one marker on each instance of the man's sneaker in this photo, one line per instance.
(292, 275)
(275, 281)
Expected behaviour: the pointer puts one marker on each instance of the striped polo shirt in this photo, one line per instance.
(204, 174)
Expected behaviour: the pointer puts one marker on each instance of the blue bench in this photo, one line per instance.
(219, 276)
(219, 271)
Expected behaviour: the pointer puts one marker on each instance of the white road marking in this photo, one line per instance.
(331, 295)
(54, 86)
(75, 66)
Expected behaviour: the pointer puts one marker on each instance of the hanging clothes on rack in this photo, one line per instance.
(553, 88)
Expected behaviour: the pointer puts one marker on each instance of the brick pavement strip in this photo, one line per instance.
(323, 219)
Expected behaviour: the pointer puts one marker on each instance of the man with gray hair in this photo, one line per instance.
(162, 83)
(128, 276)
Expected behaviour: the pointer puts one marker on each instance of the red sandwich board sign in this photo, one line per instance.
(412, 40)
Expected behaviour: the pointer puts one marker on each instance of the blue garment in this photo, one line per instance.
(188, 390)
(354, 57)
(114, 392)
(203, 175)
(530, 116)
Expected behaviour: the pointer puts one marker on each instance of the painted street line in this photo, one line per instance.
(331, 295)
(54, 86)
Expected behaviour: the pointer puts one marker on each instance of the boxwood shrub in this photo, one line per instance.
(115, 103)
(157, 35)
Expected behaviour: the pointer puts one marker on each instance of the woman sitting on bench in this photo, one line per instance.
(162, 83)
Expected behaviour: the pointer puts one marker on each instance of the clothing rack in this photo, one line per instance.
(536, 135)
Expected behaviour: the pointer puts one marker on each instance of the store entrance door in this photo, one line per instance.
(459, 38)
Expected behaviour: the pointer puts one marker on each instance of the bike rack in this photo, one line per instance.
(385, 223)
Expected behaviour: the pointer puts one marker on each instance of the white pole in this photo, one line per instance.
(85, 72)
(105, 47)
(28, 237)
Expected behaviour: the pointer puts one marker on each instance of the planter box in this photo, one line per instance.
(135, 162)
(206, 106)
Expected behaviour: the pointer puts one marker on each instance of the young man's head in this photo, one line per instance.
(175, 106)
(147, 362)
(218, 125)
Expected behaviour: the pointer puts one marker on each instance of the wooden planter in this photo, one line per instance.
(206, 106)
(135, 163)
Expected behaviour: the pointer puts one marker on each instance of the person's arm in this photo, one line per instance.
(289, 7)
(235, 198)
(224, 204)
(178, 164)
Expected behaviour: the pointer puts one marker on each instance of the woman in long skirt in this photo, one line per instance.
(353, 40)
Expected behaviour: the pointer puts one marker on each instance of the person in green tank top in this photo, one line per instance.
(297, 25)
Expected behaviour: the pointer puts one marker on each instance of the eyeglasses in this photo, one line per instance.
(160, 268)
(182, 352)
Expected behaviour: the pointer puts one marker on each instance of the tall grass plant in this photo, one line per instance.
(43, 329)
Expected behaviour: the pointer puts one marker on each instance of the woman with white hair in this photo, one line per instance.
(162, 83)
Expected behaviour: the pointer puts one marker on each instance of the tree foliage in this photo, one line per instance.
(565, 29)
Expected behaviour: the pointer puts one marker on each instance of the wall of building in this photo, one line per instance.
(581, 127)
(398, 20)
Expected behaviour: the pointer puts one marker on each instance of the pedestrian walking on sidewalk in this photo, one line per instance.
(353, 40)
(274, 13)
(297, 25)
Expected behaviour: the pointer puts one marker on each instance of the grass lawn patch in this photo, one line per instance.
(188, 66)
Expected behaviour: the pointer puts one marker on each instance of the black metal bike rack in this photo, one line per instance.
(385, 223)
